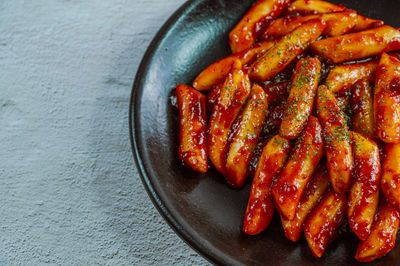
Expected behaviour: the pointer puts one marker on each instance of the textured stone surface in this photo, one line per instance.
(69, 191)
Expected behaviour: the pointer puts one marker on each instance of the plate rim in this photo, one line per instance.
(137, 87)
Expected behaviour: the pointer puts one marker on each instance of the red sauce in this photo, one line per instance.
(263, 23)
(395, 88)
(271, 127)
(383, 235)
(260, 206)
(320, 231)
(367, 172)
(276, 92)
(288, 189)
(212, 97)
(193, 124)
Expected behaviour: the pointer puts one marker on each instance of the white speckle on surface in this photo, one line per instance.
(69, 190)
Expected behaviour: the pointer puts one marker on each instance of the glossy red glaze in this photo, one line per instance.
(288, 189)
(276, 59)
(233, 95)
(316, 188)
(364, 193)
(245, 137)
(260, 207)
(390, 181)
(216, 73)
(367, 23)
(338, 23)
(271, 126)
(342, 77)
(358, 45)
(247, 31)
(301, 98)
(362, 109)
(337, 140)
(314, 6)
(343, 98)
(383, 235)
(395, 87)
(276, 92)
(212, 97)
(324, 221)
(193, 125)
(387, 100)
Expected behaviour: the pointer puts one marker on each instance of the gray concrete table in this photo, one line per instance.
(69, 190)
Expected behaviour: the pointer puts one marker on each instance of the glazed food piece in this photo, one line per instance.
(216, 72)
(286, 50)
(271, 127)
(390, 182)
(337, 140)
(387, 99)
(277, 95)
(364, 193)
(277, 92)
(245, 138)
(358, 45)
(213, 96)
(342, 77)
(233, 95)
(314, 6)
(247, 31)
(343, 98)
(336, 24)
(364, 23)
(323, 222)
(260, 207)
(274, 119)
(292, 181)
(362, 109)
(316, 188)
(252, 136)
(383, 235)
(193, 126)
(301, 98)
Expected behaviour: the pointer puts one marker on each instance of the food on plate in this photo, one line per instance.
(342, 77)
(337, 140)
(362, 109)
(337, 23)
(382, 237)
(260, 207)
(323, 222)
(364, 193)
(390, 181)
(358, 45)
(387, 99)
(245, 137)
(364, 23)
(212, 97)
(193, 126)
(291, 182)
(315, 190)
(277, 92)
(314, 6)
(343, 98)
(216, 73)
(301, 98)
(302, 74)
(246, 32)
(286, 50)
(233, 95)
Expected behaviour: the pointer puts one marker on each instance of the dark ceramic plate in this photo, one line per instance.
(202, 209)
